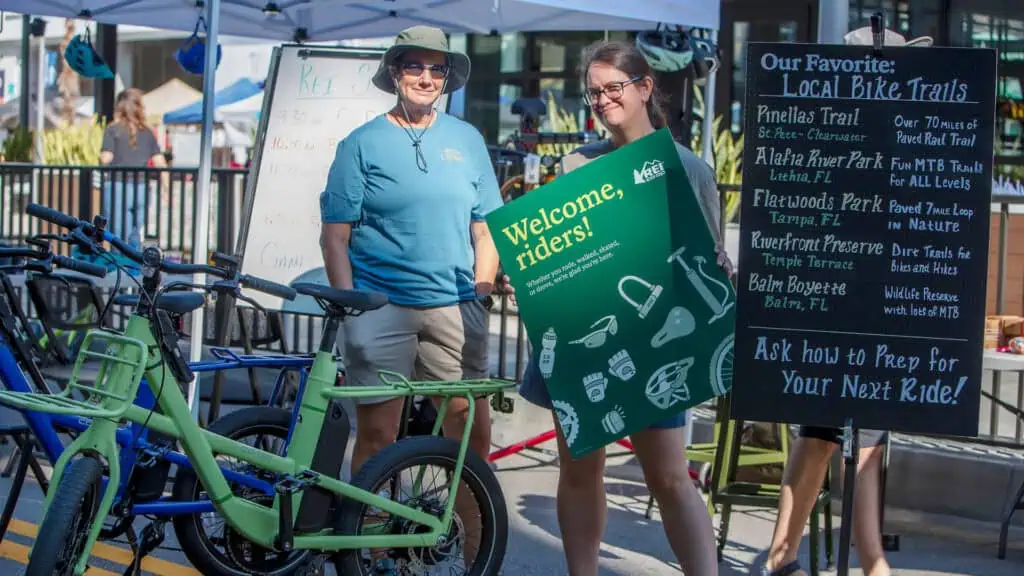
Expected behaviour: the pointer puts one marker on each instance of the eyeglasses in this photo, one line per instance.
(613, 90)
(417, 68)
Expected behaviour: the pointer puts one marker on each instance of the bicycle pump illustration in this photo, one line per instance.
(718, 307)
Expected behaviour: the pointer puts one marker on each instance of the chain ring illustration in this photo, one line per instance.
(568, 420)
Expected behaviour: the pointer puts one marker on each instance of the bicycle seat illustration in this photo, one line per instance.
(667, 386)
(597, 337)
(678, 323)
(718, 306)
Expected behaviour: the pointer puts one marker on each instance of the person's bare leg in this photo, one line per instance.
(466, 506)
(376, 428)
(866, 530)
(455, 419)
(801, 481)
(581, 507)
(662, 454)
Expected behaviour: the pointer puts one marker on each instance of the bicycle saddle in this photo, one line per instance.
(359, 300)
(533, 108)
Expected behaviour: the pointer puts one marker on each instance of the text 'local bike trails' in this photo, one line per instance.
(308, 512)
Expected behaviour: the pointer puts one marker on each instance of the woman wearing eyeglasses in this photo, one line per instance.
(403, 214)
(620, 89)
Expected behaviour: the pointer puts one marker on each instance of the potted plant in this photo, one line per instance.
(18, 146)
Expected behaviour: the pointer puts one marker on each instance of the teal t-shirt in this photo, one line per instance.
(411, 235)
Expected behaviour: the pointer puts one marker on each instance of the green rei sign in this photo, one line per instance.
(629, 315)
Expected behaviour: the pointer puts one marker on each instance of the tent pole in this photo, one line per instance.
(708, 139)
(26, 75)
(201, 239)
(707, 151)
(833, 21)
(40, 100)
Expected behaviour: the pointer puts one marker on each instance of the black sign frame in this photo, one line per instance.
(838, 302)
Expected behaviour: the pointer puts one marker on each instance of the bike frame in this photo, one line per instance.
(257, 523)
(134, 439)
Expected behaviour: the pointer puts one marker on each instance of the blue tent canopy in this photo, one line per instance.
(193, 113)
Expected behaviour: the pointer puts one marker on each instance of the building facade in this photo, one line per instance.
(506, 67)
(543, 65)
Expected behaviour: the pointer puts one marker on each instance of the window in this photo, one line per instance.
(521, 65)
(911, 18)
(153, 64)
(997, 24)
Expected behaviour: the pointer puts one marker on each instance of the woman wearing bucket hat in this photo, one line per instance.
(403, 214)
(810, 456)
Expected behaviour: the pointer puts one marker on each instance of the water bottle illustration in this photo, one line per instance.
(546, 361)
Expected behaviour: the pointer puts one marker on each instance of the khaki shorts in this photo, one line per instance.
(432, 344)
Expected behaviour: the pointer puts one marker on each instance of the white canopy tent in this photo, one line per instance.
(332, 20)
(328, 20)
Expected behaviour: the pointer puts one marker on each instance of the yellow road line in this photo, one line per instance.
(150, 564)
(19, 553)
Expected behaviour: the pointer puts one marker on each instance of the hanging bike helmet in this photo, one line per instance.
(705, 57)
(666, 50)
(671, 49)
(83, 58)
(191, 55)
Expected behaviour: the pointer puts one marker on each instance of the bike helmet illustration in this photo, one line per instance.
(191, 55)
(84, 60)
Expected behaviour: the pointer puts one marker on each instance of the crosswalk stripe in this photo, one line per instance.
(150, 564)
(19, 553)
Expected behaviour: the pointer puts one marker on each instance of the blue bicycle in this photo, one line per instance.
(146, 457)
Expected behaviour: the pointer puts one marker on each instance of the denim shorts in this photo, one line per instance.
(124, 205)
(534, 390)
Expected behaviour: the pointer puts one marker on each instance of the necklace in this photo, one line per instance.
(417, 139)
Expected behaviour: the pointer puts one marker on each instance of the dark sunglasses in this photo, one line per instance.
(417, 68)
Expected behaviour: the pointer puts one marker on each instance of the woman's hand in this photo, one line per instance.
(724, 263)
(506, 288)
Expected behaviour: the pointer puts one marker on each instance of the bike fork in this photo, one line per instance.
(99, 441)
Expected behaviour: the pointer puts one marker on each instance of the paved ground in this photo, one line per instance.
(632, 546)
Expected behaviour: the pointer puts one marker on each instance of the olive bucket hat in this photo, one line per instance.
(423, 38)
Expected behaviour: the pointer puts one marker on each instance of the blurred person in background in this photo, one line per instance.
(128, 143)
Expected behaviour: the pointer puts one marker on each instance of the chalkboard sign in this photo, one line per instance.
(864, 236)
(315, 96)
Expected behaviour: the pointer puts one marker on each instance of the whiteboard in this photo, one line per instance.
(314, 97)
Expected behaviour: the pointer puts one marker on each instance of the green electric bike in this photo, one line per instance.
(306, 511)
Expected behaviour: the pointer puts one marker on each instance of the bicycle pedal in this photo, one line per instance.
(289, 484)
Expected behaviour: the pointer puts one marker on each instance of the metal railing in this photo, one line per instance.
(159, 203)
(165, 200)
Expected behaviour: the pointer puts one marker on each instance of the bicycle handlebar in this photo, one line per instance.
(58, 260)
(83, 232)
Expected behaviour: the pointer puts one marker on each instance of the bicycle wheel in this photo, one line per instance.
(61, 538)
(226, 553)
(488, 521)
(722, 366)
